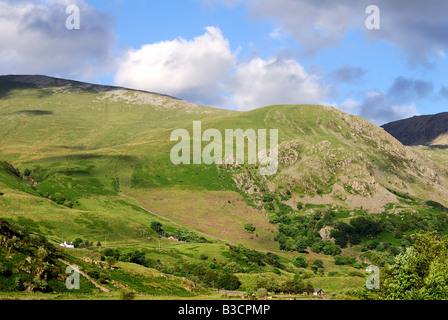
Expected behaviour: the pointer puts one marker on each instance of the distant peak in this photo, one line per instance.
(420, 130)
(42, 81)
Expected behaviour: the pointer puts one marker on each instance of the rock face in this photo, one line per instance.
(429, 130)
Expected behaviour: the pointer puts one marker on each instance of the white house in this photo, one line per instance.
(67, 245)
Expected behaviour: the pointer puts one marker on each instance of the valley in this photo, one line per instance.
(91, 165)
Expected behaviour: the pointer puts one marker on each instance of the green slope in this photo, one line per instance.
(98, 168)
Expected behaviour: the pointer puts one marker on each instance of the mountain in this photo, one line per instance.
(428, 130)
(93, 162)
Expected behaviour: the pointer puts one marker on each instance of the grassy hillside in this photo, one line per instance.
(93, 162)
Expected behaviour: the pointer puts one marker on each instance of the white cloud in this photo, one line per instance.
(261, 82)
(277, 34)
(378, 107)
(204, 70)
(350, 106)
(34, 39)
(188, 69)
(417, 27)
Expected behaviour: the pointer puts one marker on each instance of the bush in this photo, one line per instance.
(78, 243)
(233, 267)
(299, 262)
(228, 281)
(260, 293)
(157, 227)
(301, 244)
(319, 263)
(127, 295)
(343, 260)
(249, 227)
(330, 248)
(294, 286)
(365, 226)
(372, 244)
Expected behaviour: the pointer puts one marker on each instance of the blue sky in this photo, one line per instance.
(242, 54)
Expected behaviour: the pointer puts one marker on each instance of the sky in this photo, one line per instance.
(383, 65)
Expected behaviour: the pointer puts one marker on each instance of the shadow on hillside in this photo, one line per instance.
(77, 148)
(89, 156)
(6, 86)
(439, 146)
(34, 112)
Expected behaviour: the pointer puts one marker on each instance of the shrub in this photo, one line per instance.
(343, 259)
(319, 263)
(157, 227)
(301, 244)
(260, 293)
(127, 295)
(228, 281)
(299, 262)
(249, 227)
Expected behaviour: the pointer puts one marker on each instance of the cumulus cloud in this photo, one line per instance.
(204, 70)
(34, 39)
(192, 69)
(275, 81)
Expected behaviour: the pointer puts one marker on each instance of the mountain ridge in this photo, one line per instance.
(428, 130)
(48, 81)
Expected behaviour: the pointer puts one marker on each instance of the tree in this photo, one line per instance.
(287, 244)
(317, 246)
(309, 288)
(295, 286)
(261, 293)
(340, 237)
(319, 263)
(110, 260)
(270, 283)
(299, 262)
(365, 226)
(78, 243)
(228, 281)
(301, 244)
(157, 227)
(249, 227)
(419, 273)
(138, 257)
(329, 248)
